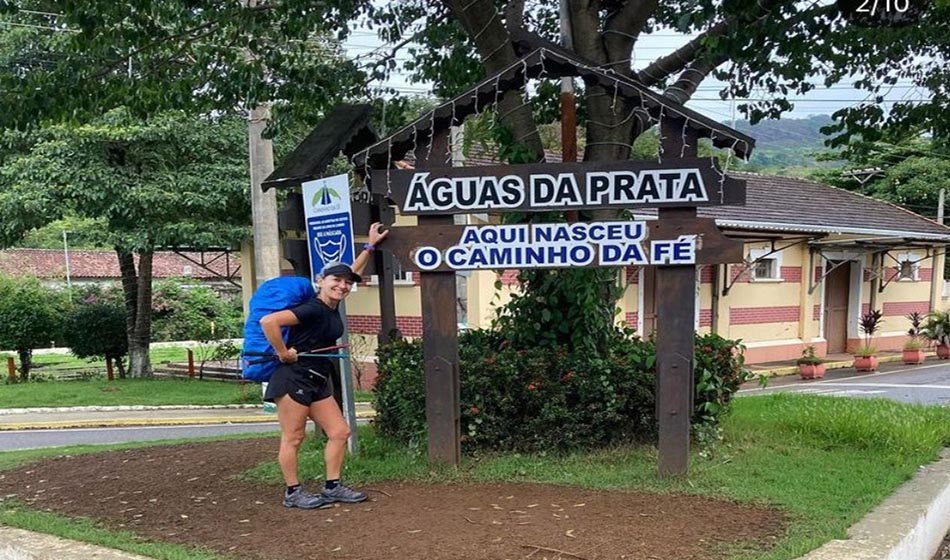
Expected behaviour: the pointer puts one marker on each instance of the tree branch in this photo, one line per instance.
(683, 56)
(687, 82)
(622, 29)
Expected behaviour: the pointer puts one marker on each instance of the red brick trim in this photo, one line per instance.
(904, 308)
(705, 317)
(631, 318)
(370, 324)
(816, 313)
(632, 274)
(760, 315)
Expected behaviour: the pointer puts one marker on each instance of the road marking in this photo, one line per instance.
(887, 385)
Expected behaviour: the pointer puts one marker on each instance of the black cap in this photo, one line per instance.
(342, 270)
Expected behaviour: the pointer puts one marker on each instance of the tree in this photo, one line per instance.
(198, 56)
(175, 181)
(30, 318)
(910, 173)
(96, 329)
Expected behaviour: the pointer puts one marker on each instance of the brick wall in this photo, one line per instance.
(788, 274)
(371, 324)
(904, 308)
(705, 317)
(759, 315)
(631, 319)
(706, 274)
(815, 312)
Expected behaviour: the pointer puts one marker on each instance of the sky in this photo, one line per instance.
(821, 100)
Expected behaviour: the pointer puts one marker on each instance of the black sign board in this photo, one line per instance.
(687, 182)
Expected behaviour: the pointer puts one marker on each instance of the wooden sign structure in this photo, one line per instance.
(676, 242)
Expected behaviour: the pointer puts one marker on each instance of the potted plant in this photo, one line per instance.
(864, 357)
(914, 347)
(936, 328)
(810, 366)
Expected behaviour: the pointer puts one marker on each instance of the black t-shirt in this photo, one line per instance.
(319, 327)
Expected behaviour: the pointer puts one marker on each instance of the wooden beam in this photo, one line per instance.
(675, 341)
(440, 335)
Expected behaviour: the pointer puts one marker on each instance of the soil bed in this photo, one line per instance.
(185, 494)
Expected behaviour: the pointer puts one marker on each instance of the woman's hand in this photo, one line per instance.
(288, 356)
(402, 164)
(375, 236)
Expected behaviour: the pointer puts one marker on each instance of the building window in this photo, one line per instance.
(402, 277)
(766, 266)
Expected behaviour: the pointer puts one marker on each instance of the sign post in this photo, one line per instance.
(676, 243)
(329, 221)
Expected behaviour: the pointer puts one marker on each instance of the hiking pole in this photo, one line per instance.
(315, 353)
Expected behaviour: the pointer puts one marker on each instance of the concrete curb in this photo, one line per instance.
(909, 525)
(792, 370)
(124, 408)
(25, 545)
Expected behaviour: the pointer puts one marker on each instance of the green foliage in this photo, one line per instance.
(545, 397)
(869, 324)
(183, 310)
(81, 233)
(210, 56)
(30, 318)
(96, 328)
(936, 327)
(809, 358)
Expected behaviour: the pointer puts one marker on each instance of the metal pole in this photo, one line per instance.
(69, 284)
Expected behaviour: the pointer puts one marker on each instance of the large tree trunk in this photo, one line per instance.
(137, 288)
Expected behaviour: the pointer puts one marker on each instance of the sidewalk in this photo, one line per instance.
(115, 416)
(833, 361)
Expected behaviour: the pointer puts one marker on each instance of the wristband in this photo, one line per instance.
(369, 247)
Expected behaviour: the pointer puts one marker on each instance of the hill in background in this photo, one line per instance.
(787, 146)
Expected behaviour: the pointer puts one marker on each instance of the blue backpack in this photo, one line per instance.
(258, 359)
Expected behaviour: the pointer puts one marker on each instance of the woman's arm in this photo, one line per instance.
(375, 237)
(271, 324)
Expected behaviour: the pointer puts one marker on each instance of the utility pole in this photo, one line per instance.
(263, 205)
(943, 193)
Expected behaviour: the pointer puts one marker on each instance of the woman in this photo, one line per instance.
(301, 386)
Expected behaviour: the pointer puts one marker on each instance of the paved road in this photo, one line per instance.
(31, 439)
(927, 384)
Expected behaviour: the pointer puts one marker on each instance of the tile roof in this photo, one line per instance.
(95, 264)
(791, 204)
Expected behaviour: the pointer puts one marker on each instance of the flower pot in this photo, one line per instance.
(943, 351)
(913, 356)
(811, 371)
(865, 363)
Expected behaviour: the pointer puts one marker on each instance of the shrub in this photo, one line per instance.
(30, 317)
(535, 399)
(96, 329)
(193, 312)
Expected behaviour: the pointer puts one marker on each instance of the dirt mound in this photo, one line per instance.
(184, 494)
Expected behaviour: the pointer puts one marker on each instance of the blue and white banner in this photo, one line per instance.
(329, 222)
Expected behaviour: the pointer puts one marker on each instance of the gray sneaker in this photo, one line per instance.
(342, 494)
(305, 500)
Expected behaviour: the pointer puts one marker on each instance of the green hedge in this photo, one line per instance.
(544, 398)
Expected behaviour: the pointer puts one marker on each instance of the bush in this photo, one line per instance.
(194, 312)
(30, 317)
(96, 328)
(547, 399)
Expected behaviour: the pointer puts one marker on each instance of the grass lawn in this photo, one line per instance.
(96, 391)
(824, 461)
